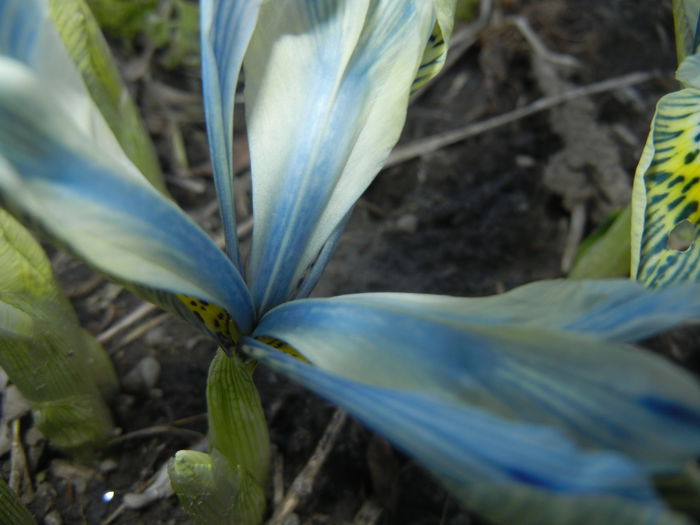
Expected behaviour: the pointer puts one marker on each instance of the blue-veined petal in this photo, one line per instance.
(226, 28)
(614, 309)
(530, 469)
(327, 87)
(599, 393)
(51, 174)
(28, 35)
(666, 195)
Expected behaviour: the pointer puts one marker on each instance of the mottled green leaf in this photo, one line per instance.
(57, 366)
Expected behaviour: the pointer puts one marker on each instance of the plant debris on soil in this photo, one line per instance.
(503, 207)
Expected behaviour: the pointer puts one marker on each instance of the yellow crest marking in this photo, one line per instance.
(281, 346)
(214, 319)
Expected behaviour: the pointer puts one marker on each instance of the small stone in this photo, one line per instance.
(53, 518)
(407, 223)
(78, 475)
(155, 335)
(143, 377)
(14, 405)
(525, 161)
(292, 519)
(107, 465)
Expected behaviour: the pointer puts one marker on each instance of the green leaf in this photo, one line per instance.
(124, 18)
(237, 427)
(90, 52)
(467, 9)
(57, 366)
(212, 492)
(685, 17)
(226, 486)
(606, 252)
(11, 509)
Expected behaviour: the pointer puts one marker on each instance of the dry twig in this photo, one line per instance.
(435, 142)
(20, 480)
(304, 482)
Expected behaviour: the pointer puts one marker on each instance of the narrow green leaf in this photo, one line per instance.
(88, 49)
(685, 18)
(226, 486)
(605, 253)
(237, 427)
(12, 512)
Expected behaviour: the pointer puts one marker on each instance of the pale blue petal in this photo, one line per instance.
(226, 28)
(51, 175)
(28, 35)
(327, 87)
(599, 393)
(616, 309)
(316, 269)
(477, 452)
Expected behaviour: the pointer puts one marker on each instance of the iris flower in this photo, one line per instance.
(530, 406)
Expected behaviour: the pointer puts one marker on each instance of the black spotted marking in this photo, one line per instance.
(214, 319)
(670, 179)
(676, 180)
(281, 346)
(692, 182)
(659, 177)
(656, 199)
(687, 211)
(674, 203)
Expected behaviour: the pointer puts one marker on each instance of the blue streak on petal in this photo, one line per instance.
(467, 445)
(18, 28)
(226, 28)
(49, 173)
(314, 274)
(596, 391)
(305, 188)
(616, 309)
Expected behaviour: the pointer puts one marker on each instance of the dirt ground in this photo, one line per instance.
(503, 207)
